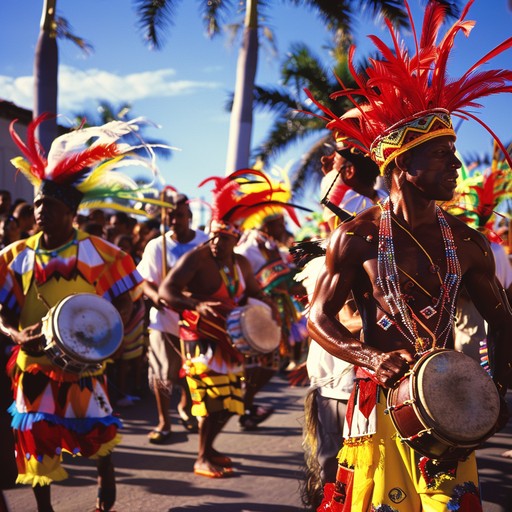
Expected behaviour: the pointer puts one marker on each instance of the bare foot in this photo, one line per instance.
(220, 459)
(507, 454)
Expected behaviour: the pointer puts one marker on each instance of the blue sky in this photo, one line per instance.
(184, 86)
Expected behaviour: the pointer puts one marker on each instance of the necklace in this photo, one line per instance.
(47, 262)
(230, 281)
(404, 318)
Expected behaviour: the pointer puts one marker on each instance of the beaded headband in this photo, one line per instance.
(410, 133)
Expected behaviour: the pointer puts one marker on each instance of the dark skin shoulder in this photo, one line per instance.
(350, 264)
(195, 278)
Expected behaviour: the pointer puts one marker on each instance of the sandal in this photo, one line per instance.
(214, 473)
(159, 436)
(255, 416)
(190, 425)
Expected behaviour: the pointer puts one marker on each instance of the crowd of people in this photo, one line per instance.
(391, 296)
(177, 291)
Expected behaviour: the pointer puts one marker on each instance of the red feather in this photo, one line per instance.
(32, 149)
(398, 86)
(69, 168)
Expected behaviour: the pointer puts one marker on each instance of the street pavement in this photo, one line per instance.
(267, 464)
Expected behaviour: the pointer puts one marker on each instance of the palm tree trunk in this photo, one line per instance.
(240, 130)
(46, 65)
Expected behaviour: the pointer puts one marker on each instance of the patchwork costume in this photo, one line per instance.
(379, 473)
(61, 407)
(55, 410)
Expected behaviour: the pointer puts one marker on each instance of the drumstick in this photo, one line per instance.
(163, 217)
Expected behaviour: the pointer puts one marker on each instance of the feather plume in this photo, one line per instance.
(89, 159)
(399, 86)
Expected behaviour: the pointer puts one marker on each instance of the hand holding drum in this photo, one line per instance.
(446, 406)
(390, 367)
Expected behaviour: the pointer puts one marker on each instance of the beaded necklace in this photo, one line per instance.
(231, 282)
(389, 282)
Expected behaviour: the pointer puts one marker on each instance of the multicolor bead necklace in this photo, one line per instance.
(388, 280)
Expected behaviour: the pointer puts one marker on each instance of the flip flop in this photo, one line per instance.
(190, 425)
(211, 473)
(159, 437)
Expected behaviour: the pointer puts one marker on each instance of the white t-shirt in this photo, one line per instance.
(150, 268)
(333, 377)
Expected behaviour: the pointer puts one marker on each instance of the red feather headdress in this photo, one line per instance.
(410, 99)
(240, 196)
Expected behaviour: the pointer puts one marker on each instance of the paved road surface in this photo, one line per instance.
(267, 464)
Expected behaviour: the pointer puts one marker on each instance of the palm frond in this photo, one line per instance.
(154, 16)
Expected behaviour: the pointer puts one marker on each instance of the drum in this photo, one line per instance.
(252, 329)
(445, 407)
(81, 331)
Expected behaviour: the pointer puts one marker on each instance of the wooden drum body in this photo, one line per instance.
(252, 329)
(446, 406)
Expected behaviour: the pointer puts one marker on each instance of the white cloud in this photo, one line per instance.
(78, 88)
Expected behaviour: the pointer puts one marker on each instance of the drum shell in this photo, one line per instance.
(255, 339)
(418, 429)
(65, 355)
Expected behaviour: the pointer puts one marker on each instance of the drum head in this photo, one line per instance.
(88, 327)
(458, 395)
(260, 330)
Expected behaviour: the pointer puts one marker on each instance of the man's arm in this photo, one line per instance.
(172, 289)
(29, 338)
(491, 301)
(150, 290)
(333, 287)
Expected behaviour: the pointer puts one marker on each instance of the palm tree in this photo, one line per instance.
(338, 16)
(301, 69)
(46, 64)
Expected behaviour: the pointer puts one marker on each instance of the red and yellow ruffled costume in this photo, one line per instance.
(55, 411)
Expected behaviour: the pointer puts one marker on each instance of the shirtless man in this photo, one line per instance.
(405, 261)
(204, 285)
(420, 177)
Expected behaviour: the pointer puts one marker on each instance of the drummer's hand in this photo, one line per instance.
(30, 338)
(390, 367)
(210, 308)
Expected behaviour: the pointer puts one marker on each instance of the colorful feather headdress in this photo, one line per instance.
(410, 99)
(281, 194)
(479, 195)
(239, 196)
(82, 166)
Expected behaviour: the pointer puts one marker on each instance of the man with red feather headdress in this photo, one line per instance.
(204, 286)
(405, 260)
(60, 403)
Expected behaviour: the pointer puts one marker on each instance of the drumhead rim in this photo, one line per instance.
(117, 333)
(425, 414)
